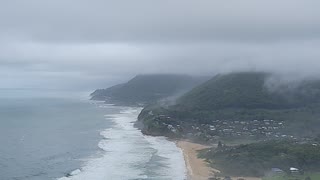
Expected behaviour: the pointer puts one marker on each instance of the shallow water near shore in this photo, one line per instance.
(68, 137)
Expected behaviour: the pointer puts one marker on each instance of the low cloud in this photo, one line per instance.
(97, 43)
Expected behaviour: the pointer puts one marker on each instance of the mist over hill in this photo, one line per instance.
(251, 90)
(146, 89)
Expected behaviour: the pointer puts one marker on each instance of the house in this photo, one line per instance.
(212, 128)
(276, 170)
(294, 170)
(227, 130)
(150, 113)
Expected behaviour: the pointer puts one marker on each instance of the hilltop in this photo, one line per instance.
(249, 90)
(146, 89)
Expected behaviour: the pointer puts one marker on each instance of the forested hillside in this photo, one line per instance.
(145, 89)
(239, 105)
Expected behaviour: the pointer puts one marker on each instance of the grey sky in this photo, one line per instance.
(98, 42)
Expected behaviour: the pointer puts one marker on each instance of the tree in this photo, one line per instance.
(219, 145)
(308, 178)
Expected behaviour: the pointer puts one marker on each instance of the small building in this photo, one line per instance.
(212, 128)
(276, 170)
(294, 170)
(227, 130)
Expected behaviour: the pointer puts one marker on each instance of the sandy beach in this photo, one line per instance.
(198, 169)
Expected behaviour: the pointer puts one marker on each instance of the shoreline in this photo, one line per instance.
(196, 168)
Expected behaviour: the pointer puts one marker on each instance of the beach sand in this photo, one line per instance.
(198, 169)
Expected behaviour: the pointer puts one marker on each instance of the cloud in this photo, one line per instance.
(166, 20)
(81, 41)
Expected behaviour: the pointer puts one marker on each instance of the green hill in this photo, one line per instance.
(144, 89)
(239, 105)
(249, 90)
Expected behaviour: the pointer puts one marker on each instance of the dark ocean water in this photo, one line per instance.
(48, 135)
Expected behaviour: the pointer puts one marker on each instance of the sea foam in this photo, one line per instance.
(128, 154)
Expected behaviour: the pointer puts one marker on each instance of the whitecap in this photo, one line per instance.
(128, 154)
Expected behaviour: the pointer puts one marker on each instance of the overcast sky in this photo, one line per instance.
(95, 43)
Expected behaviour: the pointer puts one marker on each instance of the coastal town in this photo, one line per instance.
(262, 129)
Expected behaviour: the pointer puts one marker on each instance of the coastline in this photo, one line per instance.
(196, 168)
(117, 158)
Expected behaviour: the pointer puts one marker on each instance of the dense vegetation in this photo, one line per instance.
(250, 90)
(145, 89)
(242, 96)
(257, 159)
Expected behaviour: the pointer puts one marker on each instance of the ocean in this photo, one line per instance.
(46, 135)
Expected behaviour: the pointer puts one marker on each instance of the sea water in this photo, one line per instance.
(62, 136)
